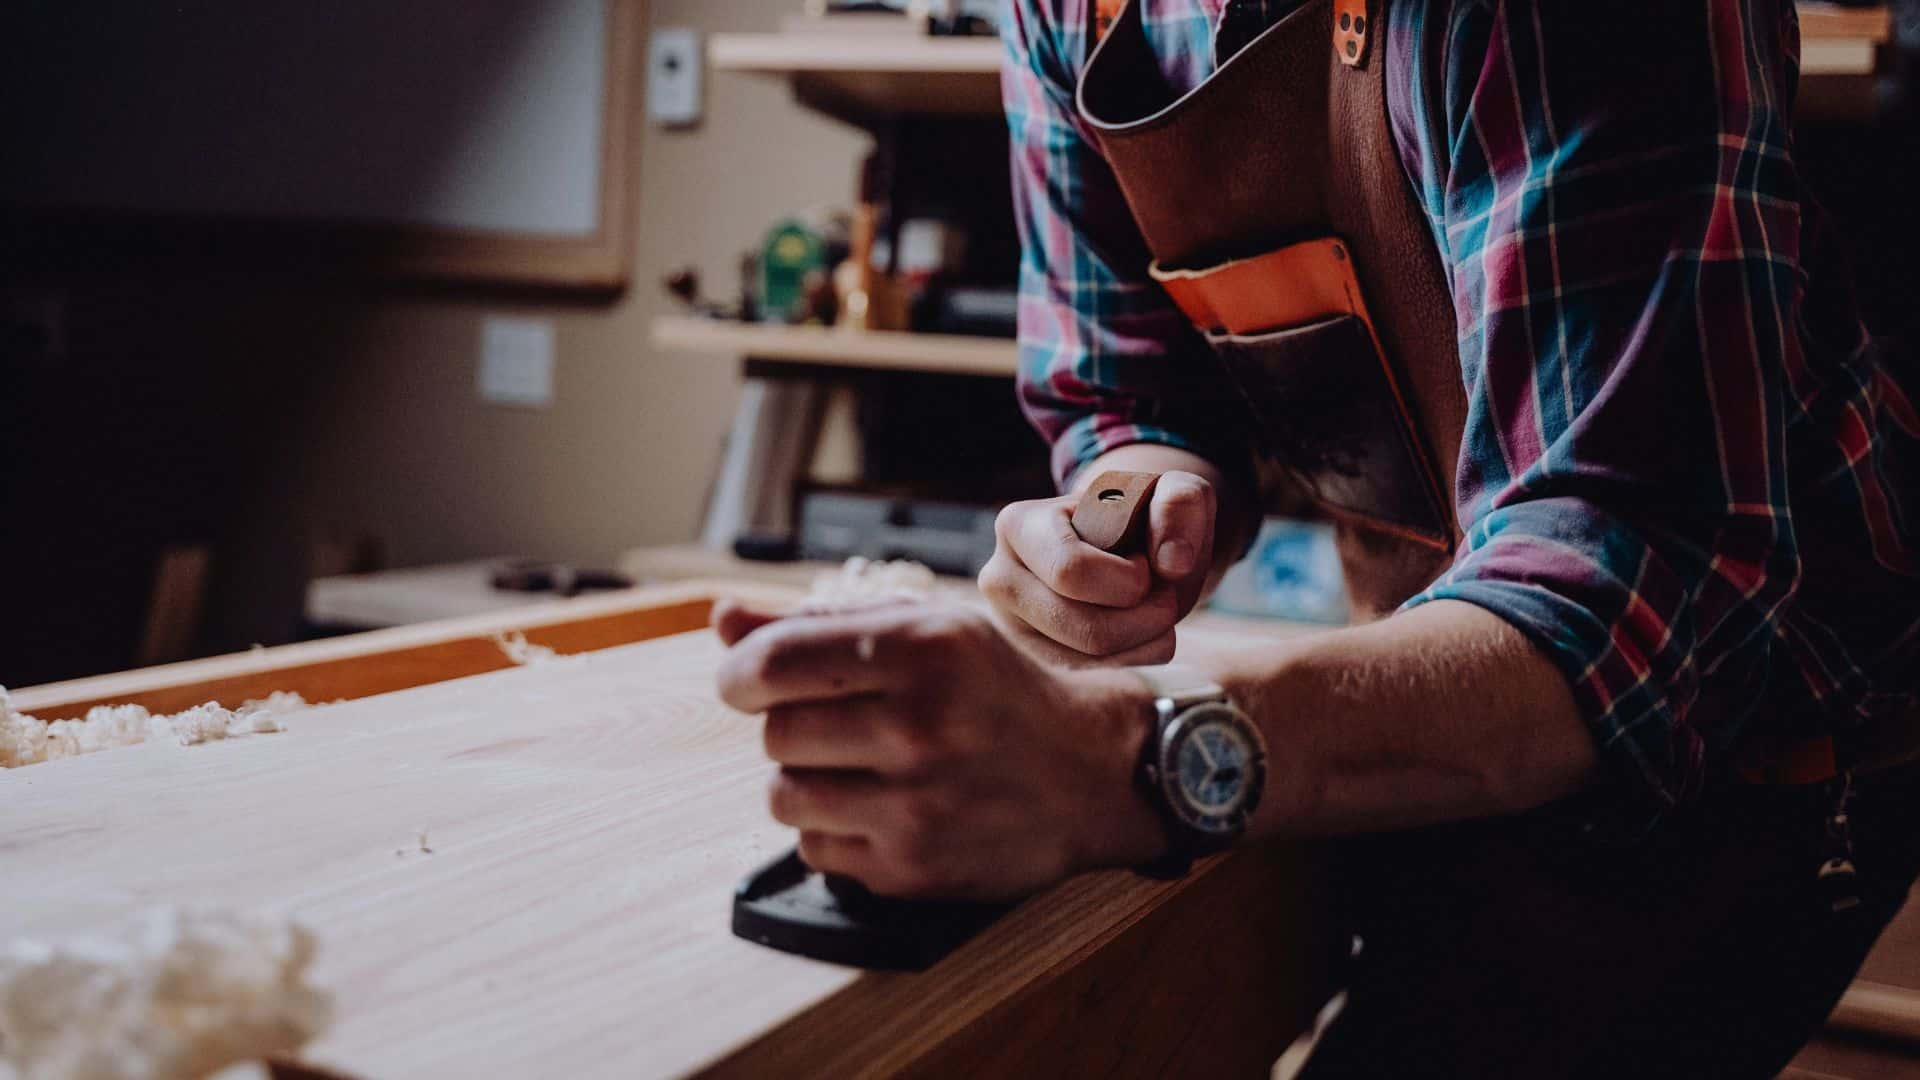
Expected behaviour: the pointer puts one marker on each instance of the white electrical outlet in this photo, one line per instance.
(674, 69)
(516, 362)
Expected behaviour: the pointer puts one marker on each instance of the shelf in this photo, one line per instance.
(862, 79)
(867, 78)
(820, 346)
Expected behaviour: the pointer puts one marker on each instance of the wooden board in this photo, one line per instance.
(588, 820)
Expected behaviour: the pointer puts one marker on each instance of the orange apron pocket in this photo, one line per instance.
(1293, 331)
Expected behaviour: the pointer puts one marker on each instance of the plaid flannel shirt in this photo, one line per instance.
(1650, 368)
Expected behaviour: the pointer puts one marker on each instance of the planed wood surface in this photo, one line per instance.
(588, 821)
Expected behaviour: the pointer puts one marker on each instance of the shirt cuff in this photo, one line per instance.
(1617, 653)
(1089, 437)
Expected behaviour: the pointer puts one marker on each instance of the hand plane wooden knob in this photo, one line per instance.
(1112, 512)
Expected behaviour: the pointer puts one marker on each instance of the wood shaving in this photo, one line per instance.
(27, 740)
(861, 584)
(523, 652)
(180, 994)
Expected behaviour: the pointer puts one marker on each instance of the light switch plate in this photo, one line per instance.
(674, 78)
(516, 362)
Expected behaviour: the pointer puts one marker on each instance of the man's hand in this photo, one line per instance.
(924, 755)
(1070, 603)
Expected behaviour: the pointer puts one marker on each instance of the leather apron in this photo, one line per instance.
(1281, 221)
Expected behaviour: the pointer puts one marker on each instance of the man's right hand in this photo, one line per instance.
(1070, 603)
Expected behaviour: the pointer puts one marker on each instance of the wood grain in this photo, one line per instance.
(588, 820)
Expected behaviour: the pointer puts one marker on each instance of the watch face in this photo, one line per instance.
(1213, 768)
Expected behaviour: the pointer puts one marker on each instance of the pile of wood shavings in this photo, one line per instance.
(180, 994)
(862, 584)
(28, 740)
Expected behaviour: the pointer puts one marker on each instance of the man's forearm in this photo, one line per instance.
(1442, 713)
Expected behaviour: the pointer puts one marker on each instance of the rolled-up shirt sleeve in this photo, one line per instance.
(1614, 192)
(1106, 360)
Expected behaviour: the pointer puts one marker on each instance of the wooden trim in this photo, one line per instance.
(383, 661)
(884, 350)
(1825, 22)
(1038, 994)
(80, 240)
(820, 51)
(1872, 1008)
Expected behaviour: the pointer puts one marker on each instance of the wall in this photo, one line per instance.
(625, 455)
(257, 415)
(440, 112)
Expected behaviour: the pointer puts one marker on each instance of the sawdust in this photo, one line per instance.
(28, 740)
(179, 994)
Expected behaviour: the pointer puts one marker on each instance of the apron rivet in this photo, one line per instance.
(1353, 48)
(1359, 24)
(1346, 20)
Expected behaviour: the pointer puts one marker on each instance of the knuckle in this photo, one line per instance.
(1074, 573)
(776, 658)
(782, 800)
(816, 849)
(776, 735)
(1161, 651)
(1189, 497)
(1079, 632)
(1008, 520)
(916, 747)
(996, 579)
(916, 833)
(739, 678)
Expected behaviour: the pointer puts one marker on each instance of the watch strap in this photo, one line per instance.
(1175, 689)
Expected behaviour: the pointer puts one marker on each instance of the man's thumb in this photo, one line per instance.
(1180, 525)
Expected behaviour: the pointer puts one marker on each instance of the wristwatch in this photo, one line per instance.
(1203, 767)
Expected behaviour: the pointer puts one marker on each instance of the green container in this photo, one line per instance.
(793, 252)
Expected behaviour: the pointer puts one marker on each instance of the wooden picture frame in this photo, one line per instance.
(56, 241)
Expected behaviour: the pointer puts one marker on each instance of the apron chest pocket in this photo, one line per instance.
(1328, 412)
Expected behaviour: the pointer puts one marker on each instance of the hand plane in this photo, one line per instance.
(788, 906)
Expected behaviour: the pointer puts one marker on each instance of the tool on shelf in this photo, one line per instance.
(788, 906)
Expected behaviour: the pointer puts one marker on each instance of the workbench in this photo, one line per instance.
(588, 819)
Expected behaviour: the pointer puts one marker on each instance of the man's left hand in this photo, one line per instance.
(924, 755)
